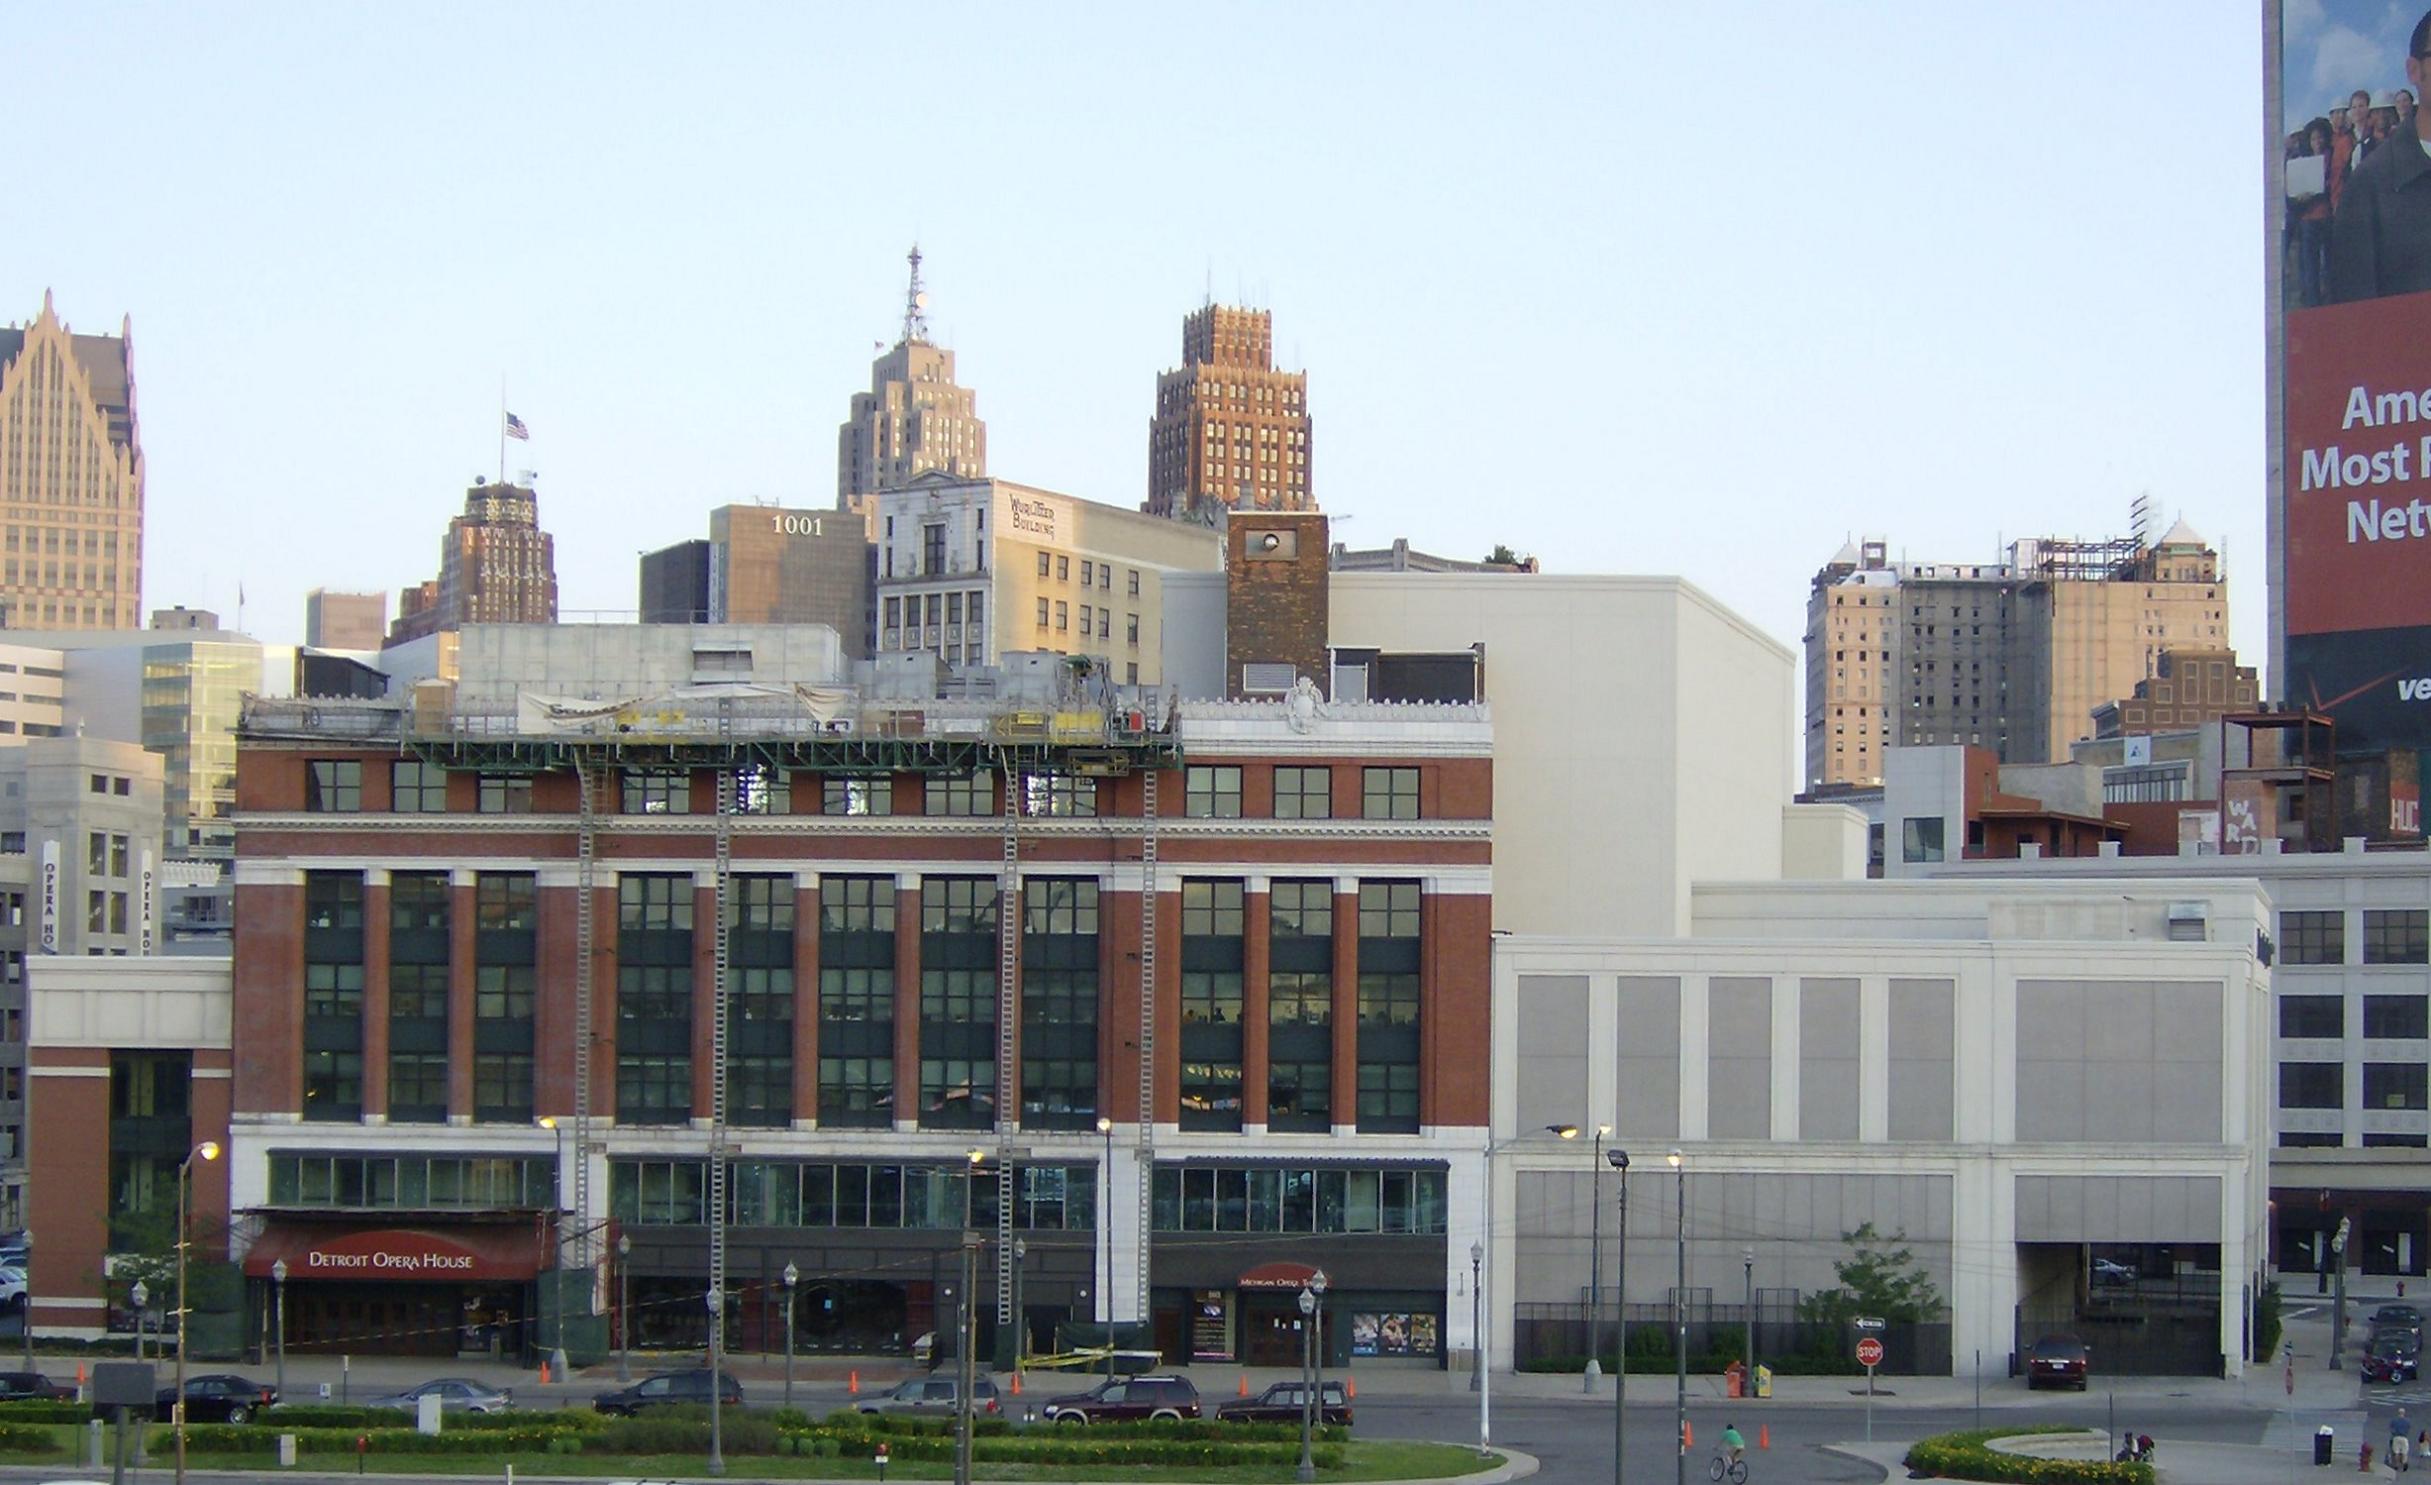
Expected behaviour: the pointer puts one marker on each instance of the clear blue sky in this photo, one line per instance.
(1637, 287)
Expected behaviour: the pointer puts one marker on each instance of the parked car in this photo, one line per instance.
(2398, 1317)
(219, 1398)
(1281, 1403)
(12, 1288)
(455, 1394)
(933, 1396)
(2109, 1271)
(34, 1387)
(666, 1388)
(2059, 1359)
(1123, 1399)
(2393, 1356)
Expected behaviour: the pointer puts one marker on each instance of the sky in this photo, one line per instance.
(1685, 289)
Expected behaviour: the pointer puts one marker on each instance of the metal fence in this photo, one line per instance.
(1555, 1336)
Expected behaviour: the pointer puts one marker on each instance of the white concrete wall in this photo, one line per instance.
(1192, 635)
(1642, 735)
(1920, 783)
(1823, 842)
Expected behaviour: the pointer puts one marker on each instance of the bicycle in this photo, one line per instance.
(1725, 1467)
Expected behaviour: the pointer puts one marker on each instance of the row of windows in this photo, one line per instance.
(1213, 908)
(304, 1179)
(502, 1084)
(419, 899)
(2322, 1085)
(1261, 1199)
(781, 1193)
(2390, 936)
(335, 785)
(2385, 1017)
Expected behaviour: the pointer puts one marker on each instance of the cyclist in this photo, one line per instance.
(1734, 1443)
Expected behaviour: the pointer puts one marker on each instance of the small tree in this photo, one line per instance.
(1877, 1278)
(1503, 554)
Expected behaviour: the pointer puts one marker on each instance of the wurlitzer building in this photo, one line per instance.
(508, 982)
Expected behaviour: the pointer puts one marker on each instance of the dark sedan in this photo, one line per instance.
(216, 1399)
(34, 1387)
(1282, 1402)
(2059, 1361)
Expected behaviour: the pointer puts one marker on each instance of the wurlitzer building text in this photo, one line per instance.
(1251, 937)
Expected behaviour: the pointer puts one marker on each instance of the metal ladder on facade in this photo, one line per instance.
(718, 1030)
(1008, 1013)
(586, 875)
(1147, 1104)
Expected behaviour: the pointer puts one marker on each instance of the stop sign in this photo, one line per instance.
(1869, 1352)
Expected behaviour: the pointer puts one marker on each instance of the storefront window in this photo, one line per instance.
(1283, 1199)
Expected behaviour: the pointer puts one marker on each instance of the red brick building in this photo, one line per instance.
(915, 968)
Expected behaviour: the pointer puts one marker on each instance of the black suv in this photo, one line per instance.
(668, 1388)
(1123, 1399)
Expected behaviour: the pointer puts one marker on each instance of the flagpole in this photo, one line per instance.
(502, 427)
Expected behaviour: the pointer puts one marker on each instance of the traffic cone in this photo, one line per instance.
(1764, 1436)
(544, 1374)
(852, 1385)
(80, 1375)
(1243, 1389)
(1350, 1386)
(1017, 1384)
(1688, 1435)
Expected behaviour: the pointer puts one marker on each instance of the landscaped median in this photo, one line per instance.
(783, 1443)
(1971, 1456)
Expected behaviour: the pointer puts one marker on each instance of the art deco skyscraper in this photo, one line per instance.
(71, 478)
(496, 566)
(1229, 429)
(912, 419)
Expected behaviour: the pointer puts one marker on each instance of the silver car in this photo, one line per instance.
(934, 1396)
(455, 1394)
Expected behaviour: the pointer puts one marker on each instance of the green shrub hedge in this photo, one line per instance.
(1969, 1456)
(333, 1415)
(27, 1438)
(45, 1411)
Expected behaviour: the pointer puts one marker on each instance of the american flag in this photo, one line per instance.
(515, 428)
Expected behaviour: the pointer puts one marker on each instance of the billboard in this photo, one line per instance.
(2350, 325)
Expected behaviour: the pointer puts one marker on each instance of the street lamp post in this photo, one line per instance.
(278, 1318)
(1308, 1384)
(793, 1276)
(1105, 1233)
(624, 1307)
(1477, 1315)
(1316, 1286)
(1747, 1259)
(25, 1322)
(1620, 1340)
(1021, 1319)
(142, 1295)
(557, 1307)
(717, 1389)
(1679, 1327)
(207, 1151)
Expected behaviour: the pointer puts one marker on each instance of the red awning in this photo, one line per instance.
(1278, 1276)
(397, 1254)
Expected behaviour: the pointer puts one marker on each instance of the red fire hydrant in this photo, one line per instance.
(2363, 1459)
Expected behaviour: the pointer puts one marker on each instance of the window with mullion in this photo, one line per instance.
(2313, 937)
(416, 787)
(1389, 793)
(1304, 793)
(2396, 935)
(1211, 791)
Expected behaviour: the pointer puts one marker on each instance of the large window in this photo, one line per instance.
(506, 900)
(502, 1087)
(1058, 794)
(2313, 1015)
(333, 990)
(1213, 985)
(655, 903)
(2313, 938)
(654, 992)
(1920, 839)
(1389, 793)
(416, 787)
(1299, 1097)
(1302, 909)
(504, 794)
(958, 905)
(657, 792)
(2312, 1085)
(412, 1182)
(2396, 936)
(1211, 792)
(333, 1084)
(417, 1087)
(2396, 1017)
(856, 1092)
(938, 1197)
(1388, 910)
(1228, 1198)
(333, 786)
(503, 992)
(961, 794)
(855, 796)
(2394, 1085)
(856, 1001)
(1300, 998)
(1304, 793)
(654, 1089)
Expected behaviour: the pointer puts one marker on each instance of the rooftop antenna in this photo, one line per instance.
(915, 304)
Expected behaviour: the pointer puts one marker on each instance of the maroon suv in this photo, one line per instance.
(1126, 1399)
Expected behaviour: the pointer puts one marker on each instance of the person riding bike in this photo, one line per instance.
(1734, 1442)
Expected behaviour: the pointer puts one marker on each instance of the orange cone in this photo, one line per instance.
(544, 1374)
(852, 1386)
(1688, 1436)
(1017, 1384)
(80, 1374)
(1350, 1387)
(1764, 1436)
(1243, 1389)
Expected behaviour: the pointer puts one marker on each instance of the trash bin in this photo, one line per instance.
(2324, 1440)
(1735, 1378)
(1764, 1381)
